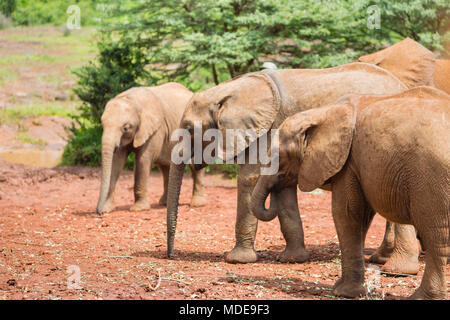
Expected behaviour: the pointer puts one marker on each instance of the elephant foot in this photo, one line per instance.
(348, 289)
(163, 201)
(381, 256)
(139, 206)
(241, 255)
(420, 294)
(403, 265)
(107, 207)
(198, 201)
(298, 255)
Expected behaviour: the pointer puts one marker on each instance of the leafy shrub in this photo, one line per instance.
(84, 146)
(7, 7)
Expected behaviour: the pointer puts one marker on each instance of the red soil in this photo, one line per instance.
(48, 223)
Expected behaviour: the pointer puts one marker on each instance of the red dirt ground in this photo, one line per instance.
(48, 223)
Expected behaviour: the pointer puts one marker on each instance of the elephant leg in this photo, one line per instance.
(198, 193)
(384, 251)
(405, 256)
(119, 158)
(399, 251)
(246, 222)
(142, 166)
(435, 236)
(352, 217)
(291, 227)
(165, 172)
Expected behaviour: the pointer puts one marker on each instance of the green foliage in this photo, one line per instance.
(220, 39)
(426, 21)
(7, 7)
(84, 146)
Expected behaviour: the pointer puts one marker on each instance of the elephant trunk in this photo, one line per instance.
(173, 197)
(259, 196)
(108, 148)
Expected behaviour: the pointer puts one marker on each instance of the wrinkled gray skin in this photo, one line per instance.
(385, 154)
(141, 120)
(262, 101)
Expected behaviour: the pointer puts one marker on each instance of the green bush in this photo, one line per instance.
(7, 7)
(84, 146)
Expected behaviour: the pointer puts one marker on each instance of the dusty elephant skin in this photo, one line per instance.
(387, 154)
(414, 65)
(141, 120)
(263, 100)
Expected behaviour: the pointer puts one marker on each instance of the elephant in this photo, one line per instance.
(387, 154)
(141, 120)
(415, 66)
(262, 100)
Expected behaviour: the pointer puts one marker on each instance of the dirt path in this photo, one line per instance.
(48, 229)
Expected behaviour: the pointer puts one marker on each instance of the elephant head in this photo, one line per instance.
(128, 121)
(248, 102)
(408, 60)
(314, 146)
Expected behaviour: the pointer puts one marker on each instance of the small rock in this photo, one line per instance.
(21, 94)
(60, 97)
(11, 282)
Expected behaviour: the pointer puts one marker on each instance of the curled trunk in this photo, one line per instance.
(259, 196)
(173, 197)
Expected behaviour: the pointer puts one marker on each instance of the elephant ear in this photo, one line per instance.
(150, 109)
(250, 104)
(408, 60)
(327, 138)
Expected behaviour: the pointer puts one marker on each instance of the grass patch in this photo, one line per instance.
(6, 75)
(18, 113)
(25, 138)
(41, 59)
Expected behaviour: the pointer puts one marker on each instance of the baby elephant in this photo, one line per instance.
(386, 154)
(141, 120)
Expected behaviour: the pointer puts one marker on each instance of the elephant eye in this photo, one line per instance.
(127, 127)
(222, 102)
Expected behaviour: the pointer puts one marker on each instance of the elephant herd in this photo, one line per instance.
(374, 132)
